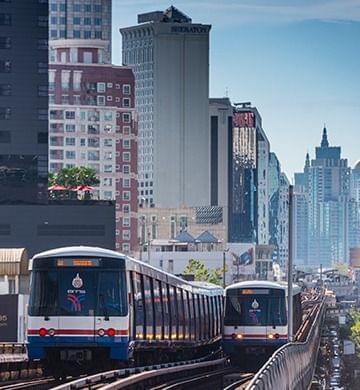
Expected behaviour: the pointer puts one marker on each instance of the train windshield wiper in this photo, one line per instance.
(102, 301)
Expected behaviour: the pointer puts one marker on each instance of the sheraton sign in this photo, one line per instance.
(190, 29)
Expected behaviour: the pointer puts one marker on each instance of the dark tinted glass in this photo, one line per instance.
(259, 308)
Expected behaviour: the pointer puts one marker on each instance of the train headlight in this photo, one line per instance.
(111, 332)
(277, 335)
(239, 336)
(101, 332)
(51, 332)
(42, 332)
(270, 336)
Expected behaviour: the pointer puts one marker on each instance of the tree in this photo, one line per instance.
(355, 329)
(203, 274)
(74, 177)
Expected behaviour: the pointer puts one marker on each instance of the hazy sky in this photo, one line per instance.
(297, 61)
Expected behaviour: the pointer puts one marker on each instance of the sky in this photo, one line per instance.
(297, 61)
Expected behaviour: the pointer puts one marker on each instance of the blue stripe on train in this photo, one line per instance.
(118, 345)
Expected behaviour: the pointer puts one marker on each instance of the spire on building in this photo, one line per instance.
(324, 141)
(307, 161)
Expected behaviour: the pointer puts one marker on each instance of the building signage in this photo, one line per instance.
(8, 318)
(188, 29)
(244, 119)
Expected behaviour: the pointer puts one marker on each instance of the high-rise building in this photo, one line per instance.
(326, 183)
(170, 58)
(274, 188)
(23, 101)
(248, 178)
(93, 124)
(283, 222)
(81, 19)
(300, 225)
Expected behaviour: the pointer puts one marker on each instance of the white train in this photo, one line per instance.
(92, 308)
(255, 318)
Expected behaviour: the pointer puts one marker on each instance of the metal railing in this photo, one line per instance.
(293, 365)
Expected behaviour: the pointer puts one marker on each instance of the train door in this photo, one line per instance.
(77, 300)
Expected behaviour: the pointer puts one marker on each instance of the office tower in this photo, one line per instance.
(23, 101)
(170, 58)
(283, 221)
(300, 225)
(93, 124)
(248, 179)
(326, 184)
(81, 19)
(274, 189)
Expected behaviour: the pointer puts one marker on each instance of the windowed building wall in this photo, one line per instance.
(92, 123)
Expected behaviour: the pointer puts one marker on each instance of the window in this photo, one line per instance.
(126, 182)
(109, 85)
(126, 143)
(108, 142)
(5, 112)
(56, 154)
(93, 142)
(87, 35)
(93, 129)
(126, 236)
(70, 154)
(70, 141)
(64, 99)
(93, 155)
(126, 157)
(126, 117)
(126, 169)
(77, 34)
(56, 141)
(98, 34)
(126, 130)
(126, 195)
(126, 208)
(87, 7)
(82, 141)
(109, 98)
(53, 7)
(101, 100)
(126, 102)
(107, 168)
(126, 222)
(5, 89)
(76, 20)
(126, 89)
(117, 86)
(69, 114)
(107, 128)
(5, 66)
(77, 99)
(62, 7)
(101, 87)
(5, 19)
(108, 115)
(51, 99)
(107, 155)
(5, 43)
(107, 181)
(69, 128)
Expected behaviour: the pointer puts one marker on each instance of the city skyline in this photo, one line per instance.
(294, 64)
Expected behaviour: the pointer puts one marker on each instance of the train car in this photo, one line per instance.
(92, 308)
(255, 318)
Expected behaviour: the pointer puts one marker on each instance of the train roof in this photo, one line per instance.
(263, 284)
(132, 264)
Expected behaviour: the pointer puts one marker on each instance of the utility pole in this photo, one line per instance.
(148, 247)
(290, 266)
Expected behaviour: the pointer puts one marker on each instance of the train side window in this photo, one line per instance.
(166, 309)
(191, 315)
(217, 301)
(133, 311)
(149, 308)
(180, 303)
(213, 316)
(201, 317)
(186, 315)
(158, 309)
(209, 314)
(140, 314)
(174, 313)
(197, 316)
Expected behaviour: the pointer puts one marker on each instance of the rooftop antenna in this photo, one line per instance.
(226, 92)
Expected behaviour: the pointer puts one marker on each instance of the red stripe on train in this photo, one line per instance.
(90, 332)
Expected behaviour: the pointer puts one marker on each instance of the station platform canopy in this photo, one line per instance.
(14, 261)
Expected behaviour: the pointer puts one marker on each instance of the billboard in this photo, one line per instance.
(243, 260)
(244, 119)
(8, 318)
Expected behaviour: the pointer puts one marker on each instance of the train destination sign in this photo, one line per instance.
(78, 262)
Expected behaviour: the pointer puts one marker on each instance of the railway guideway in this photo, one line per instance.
(292, 366)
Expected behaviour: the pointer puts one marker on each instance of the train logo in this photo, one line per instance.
(77, 282)
(255, 304)
(75, 300)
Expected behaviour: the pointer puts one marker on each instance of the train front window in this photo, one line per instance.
(255, 307)
(78, 292)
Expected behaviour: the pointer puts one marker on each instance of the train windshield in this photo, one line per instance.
(78, 292)
(255, 307)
